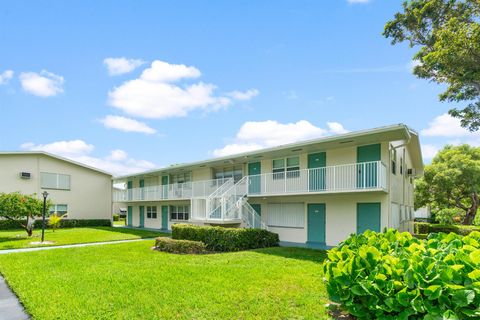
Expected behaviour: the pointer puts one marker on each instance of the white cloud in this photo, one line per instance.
(263, 134)
(358, 1)
(446, 126)
(155, 93)
(117, 66)
(5, 76)
(126, 124)
(43, 84)
(429, 151)
(247, 95)
(117, 162)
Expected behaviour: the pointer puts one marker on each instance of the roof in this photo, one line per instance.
(55, 157)
(386, 133)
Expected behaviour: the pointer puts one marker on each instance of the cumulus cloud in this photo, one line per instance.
(118, 66)
(157, 93)
(247, 95)
(446, 126)
(5, 76)
(429, 151)
(117, 162)
(43, 84)
(254, 135)
(126, 124)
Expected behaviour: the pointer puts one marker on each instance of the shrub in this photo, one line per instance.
(179, 246)
(116, 217)
(425, 228)
(226, 239)
(449, 216)
(54, 221)
(392, 275)
(65, 223)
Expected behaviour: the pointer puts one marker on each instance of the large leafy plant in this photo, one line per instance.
(392, 275)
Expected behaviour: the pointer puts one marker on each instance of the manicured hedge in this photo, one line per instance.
(425, 228)
(65, 223)
(179, 246)
(226, 239)
(392, 275)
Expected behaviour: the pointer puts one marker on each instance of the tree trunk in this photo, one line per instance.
(29, 226)
(472, 211)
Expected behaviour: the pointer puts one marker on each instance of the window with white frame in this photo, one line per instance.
(288, 215)
(179, 178)
(54, 181)
(289, 165)
(179, 212)
(151, 212)
(234, 172)
(60, 209)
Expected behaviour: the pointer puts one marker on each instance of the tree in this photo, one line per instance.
(447, 33)
(18, 207)
(452, 180)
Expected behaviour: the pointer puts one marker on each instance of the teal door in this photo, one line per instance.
(129, 190)
(254, 170)
(142, 217)
(165, 217)
(129, 216)
(368, 217)
(316, 224)
(164, 187)
(317, 175)
(258, 209)
(141, 184)
(367, 171)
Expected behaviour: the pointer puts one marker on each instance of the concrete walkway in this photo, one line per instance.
(69, 246)
(10, 307)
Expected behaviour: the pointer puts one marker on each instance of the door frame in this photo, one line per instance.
(129, 216)
(316, 244)
(254, 183)
(379, 215)
(141, 216)
(164, 217)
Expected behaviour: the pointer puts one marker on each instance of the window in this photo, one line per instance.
(234, 172)
(179, 212)
(151, 212)
(289, 215)
(59, 209)
(393, 156)
(181, 177)
(55, 181)
(401, 166)
(290, 165)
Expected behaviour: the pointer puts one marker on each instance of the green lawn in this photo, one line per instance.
(19, 239)
(131, 281)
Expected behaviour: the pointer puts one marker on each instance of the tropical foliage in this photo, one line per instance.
(21, 209)
(54, 220)
(447, 33)
(392, 275)
(452, 180)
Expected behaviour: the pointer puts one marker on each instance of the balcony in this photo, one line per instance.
(356, 177)
(181, 191)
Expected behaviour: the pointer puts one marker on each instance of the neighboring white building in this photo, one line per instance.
(313, 193)
(79, 190)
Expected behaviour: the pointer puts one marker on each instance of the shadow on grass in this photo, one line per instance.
(137, 232)
(305, 254)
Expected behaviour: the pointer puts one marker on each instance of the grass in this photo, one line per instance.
(119, 223)
(131, 281)
(13, 239)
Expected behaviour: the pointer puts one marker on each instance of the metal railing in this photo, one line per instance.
(341, 178)
(188, 190)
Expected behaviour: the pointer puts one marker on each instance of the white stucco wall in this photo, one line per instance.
(90, 191)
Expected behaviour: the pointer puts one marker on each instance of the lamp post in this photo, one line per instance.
(45, 195)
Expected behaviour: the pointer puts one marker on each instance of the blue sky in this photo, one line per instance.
(132, 85)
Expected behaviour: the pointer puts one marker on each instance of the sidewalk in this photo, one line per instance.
(10, 307)
(69, 246)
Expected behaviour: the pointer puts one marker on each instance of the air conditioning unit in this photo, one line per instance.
(25, 175)
(411, 172)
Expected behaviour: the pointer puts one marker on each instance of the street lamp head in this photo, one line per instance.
(45, 194)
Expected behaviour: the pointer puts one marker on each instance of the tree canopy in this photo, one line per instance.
(452, 180)
(447, 33)
(20, 207)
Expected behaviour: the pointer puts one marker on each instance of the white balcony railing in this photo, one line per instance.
(342, 178)
(188, 190)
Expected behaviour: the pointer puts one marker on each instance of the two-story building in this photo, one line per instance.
(75, 189)
(313, 193)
